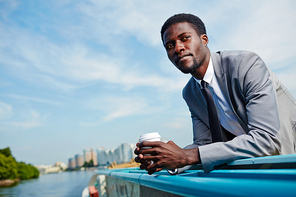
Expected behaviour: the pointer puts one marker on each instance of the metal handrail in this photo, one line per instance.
(238, 178)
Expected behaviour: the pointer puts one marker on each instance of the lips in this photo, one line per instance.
(177, 60)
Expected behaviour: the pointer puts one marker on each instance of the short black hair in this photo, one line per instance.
(195, 21)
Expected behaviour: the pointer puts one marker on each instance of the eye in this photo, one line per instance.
(169, 46)
(185, 38)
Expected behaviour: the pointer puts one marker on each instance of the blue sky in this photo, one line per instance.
(84, 74)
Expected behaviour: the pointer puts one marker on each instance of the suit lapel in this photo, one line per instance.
(199, 95)
(223, 83)
(221, 77)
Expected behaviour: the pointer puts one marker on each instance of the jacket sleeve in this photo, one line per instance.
(201, 133)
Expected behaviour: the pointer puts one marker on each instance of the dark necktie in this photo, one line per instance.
(214, 123)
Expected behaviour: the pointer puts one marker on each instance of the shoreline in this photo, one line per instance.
(8, 182)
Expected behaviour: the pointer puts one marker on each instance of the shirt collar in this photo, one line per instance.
(208, 75)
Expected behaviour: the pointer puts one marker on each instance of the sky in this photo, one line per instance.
(93, 73)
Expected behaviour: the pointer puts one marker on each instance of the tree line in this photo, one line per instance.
(11, 169)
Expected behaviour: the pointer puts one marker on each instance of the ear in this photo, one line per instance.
(205, 40)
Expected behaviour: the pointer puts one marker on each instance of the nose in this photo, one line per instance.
(179, 46)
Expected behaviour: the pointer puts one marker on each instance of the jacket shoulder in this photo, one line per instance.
(236, 55)
(188, 87)
(235, 62)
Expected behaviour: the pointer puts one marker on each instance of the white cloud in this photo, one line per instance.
(9, 7)
(73, 64)
(88, 124)
(24, 120)
(116, 107)
(34, 99)
(265, 27)
(22, 125)
(37, 59)
(177, 123)
(5, 110)
(141, 19)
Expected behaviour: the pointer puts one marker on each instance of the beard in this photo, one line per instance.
(191, 69)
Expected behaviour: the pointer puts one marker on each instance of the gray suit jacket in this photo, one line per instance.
(262, 105)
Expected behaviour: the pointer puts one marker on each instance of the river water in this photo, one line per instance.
(65, 184)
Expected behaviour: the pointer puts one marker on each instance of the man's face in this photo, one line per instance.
(185, 48)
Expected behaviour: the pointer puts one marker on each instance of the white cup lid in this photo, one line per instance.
(154, 136)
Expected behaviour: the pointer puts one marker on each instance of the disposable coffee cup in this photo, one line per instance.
(151, 137)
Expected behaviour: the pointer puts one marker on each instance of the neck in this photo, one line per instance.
(201, 71)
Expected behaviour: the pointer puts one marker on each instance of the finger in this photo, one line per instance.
(151, 171)
(145, 164)
(152, 167)
(148, 157)
(136, 151)
(139, 158)
(154, 170)
(146, 151)
(150, 144)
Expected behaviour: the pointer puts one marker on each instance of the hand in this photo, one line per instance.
(164, 155)
(144, 163)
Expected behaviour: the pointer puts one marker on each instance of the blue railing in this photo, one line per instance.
(262, 176)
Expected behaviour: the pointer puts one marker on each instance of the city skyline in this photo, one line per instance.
(76, 74)
(103, 157)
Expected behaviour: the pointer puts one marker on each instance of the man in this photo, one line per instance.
(255, 113)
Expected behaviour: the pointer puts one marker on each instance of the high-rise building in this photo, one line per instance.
(110, 156)
(126, 152)
(94, 157)
(87, 154)
(117, 156)
(72, 163)
(101, 156)
(79, 160)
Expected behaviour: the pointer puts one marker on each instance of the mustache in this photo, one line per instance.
(180, 56)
